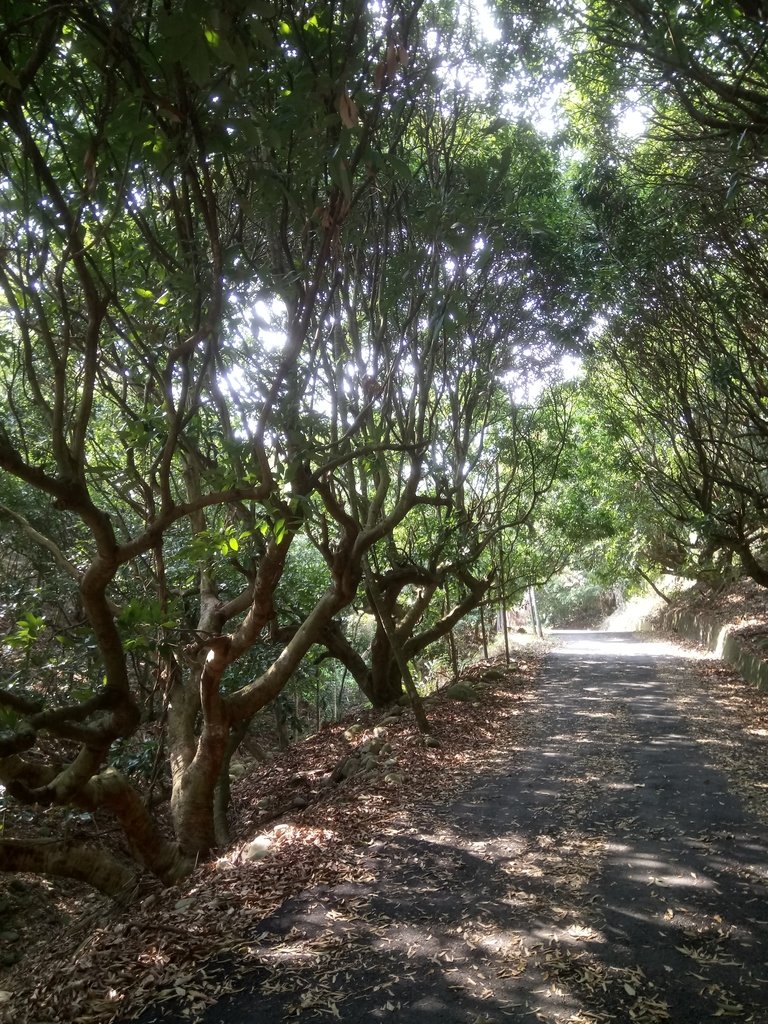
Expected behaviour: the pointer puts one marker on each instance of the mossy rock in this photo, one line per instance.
(372, 745)
(462, 691)
(495, 673)
(350, 767)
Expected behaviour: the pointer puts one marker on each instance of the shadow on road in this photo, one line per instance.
(603, 872)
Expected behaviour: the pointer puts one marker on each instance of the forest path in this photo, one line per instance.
(606, 871)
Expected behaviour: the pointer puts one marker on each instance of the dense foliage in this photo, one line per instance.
(284, 294)
(267, 270)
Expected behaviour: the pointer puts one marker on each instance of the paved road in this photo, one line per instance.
(604, 872)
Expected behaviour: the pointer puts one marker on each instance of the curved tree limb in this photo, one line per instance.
(59, 557)
(64, 859)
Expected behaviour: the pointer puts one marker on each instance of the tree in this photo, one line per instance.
(255, 290)
(460, 300)
(694, 414)
(679, 220)
(161, 171)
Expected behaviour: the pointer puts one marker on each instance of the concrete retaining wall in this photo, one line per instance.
(718, 637)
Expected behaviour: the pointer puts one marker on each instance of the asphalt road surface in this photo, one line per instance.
(605, 872)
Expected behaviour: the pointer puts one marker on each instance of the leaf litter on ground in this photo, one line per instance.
(111, 961)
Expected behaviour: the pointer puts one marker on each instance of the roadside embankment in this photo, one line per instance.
(749, 657)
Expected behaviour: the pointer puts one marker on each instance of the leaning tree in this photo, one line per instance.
(439, 317)
(164, 172)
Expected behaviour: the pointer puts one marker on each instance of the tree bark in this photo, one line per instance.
(502, 574)
(386, 679)
(339, 647)
(537, 629)
(389, 628)
(651, 584)
(281, 724)
(451, 638)
(754, 569)
(382, 682)
(161, 856)
(111, 791)
(222, 796)
(477, 590)
(64, 859)
(192, 800)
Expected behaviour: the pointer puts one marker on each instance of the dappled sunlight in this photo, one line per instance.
(718, 741)
(575, 643)
(595, 871)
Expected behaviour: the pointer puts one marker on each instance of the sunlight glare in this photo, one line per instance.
(479, 14)
(632, 117)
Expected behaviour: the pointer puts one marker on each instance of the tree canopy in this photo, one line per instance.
(285, 293)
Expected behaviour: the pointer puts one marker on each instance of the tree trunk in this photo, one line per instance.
(415, 644)
(389, 628)
(386, 679)
(534, 608)
(222, 797)
(64, 859)
(502, 573)
(504, 624)
(451, 639)
(484, 632)
(652, 585)
(195, 780)
(281, 724)
(337, 696)
(110, 791)
(161, 856)
(192, 807)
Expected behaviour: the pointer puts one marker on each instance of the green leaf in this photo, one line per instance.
(28, 629)
(198, 63)
(400, 167)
